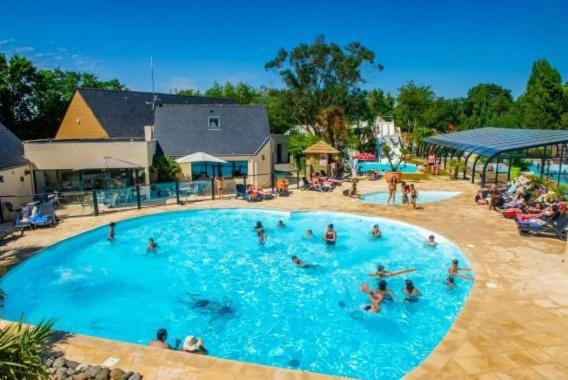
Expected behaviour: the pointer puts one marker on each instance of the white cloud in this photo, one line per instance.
(61, 49)
(24, 49)
(181, 83)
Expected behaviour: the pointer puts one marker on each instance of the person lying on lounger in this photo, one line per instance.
(454, 270)
(381, 272)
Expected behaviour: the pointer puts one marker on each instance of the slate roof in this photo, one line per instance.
(125, 113)
(11, 149)
(182, 130)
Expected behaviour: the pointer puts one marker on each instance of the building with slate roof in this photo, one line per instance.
(136, 126)
(15, 173)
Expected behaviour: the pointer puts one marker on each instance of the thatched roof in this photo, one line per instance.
(321, 147)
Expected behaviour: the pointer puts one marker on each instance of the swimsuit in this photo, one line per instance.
(329, 235)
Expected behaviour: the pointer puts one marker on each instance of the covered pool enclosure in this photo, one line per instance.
(494, 146)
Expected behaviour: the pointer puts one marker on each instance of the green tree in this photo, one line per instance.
(18, 77)
(165, 168)
(411, 105)
(298, 142)
(543, 104)
(380, 103)
(321, 75)
(187, 92)
(487, 104)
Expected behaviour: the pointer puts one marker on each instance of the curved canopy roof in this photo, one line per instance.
(491, 141)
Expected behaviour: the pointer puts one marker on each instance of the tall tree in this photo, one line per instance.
(321, 75)
(411, 105)
(18, 77)
(543, 104)
(486, 105)
(380, 103)
(331, 125)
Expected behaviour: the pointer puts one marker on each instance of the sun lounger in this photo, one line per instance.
(555, 227)
(45, 216)
(241, 191)
(23, 220)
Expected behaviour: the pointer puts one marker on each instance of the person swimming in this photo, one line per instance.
(301, 264)
(261, 236)
(431, 242)
(381, 272)
(330, 235)
(152, 245)
(450, 282)
(258, 226)
(385, 291)
(111, 232)
(454, 270)
(281, 224)
(376, 231)
(410, 291)
(213, 308)
(374, 298)
(309, 234)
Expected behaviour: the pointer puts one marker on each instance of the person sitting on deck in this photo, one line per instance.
(353, 193)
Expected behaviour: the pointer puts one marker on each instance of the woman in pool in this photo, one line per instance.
(431, 242)
(385, 291)
(450, 282)
(330, 235)
(258, 226)
(381, 272)
(413, 195)
(454, 270)
(152, 245)
(194, 345)
(410, 291)
(281, 224)
(309, 234)
(301, 264)
(375, 298)
(261, 235)
(376, 231)
(392, 190)
(111, 233)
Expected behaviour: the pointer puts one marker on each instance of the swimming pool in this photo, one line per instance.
(381, 197)
(384, 167)
(262, 308)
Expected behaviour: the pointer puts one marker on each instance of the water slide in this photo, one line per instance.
(387, 133)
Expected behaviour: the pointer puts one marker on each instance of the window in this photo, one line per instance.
(214, 122)
(229, 170)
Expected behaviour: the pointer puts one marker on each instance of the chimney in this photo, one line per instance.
(148, 132)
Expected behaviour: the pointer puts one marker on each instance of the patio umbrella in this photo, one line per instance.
(199, 157)
(365, 157)
(107, 163)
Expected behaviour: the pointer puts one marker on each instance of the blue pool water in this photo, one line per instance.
(384, 167)
(381, 197)
(277, 314)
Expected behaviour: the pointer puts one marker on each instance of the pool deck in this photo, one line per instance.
(514, 324)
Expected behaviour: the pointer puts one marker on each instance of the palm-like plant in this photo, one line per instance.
(21, 347)
(389, 155)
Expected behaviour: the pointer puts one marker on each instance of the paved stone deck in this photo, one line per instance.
(517, 327)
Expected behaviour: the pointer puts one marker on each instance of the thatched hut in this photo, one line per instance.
(318, 157)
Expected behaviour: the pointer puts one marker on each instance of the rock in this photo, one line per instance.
(127, 375)
(51, 370)
(59, 362)
(49, 361)
(92, 371)
(81, 376)
(82, 367)
(135, 376)
(71, 364)
(116, 374)
(60, 376)
(103, 374)
(70, 372)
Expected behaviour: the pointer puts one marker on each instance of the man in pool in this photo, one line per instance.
(111, 233)
(330, 235)
(376, 231)
(258, 226)
(261, 236)
(281, 224)
(309, 234)
(160, 341)
(431, 242)
(411, 293)
(194, 345)
(301, 264)
(454, 270)
(152, 245)
(381, 272)
(450, 282)
(385, 291)
(375, 299)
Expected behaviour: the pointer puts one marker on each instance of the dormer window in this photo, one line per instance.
(214, 122)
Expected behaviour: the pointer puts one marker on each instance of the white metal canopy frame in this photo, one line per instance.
(108, 163)
(199, 157)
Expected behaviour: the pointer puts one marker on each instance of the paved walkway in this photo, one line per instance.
(514, 324)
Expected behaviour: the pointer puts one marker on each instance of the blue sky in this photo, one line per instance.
(450, 45)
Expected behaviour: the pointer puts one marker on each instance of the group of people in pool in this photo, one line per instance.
(152, 246)
(191, 343)
(329, 237)
(409, 193)
(411, 293)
